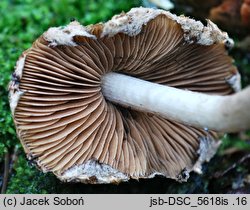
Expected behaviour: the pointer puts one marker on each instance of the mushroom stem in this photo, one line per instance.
(220, 113)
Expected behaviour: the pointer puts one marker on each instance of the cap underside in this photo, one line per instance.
(64, 121)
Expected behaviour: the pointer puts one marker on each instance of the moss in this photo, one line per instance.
(27, 179)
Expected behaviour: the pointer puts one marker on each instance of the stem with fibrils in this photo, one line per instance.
(220, 113)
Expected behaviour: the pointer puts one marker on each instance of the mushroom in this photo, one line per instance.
(233, 15)
(133, 97)
(245, 13)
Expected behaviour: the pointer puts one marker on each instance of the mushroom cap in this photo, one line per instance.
(66, 125)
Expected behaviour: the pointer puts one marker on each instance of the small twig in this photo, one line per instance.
(220, 174)
(13, 159)
(6, 172)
